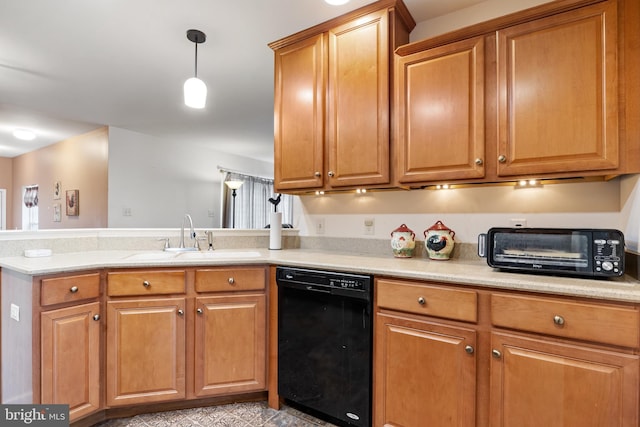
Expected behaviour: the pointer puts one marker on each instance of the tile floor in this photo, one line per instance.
(249, 414)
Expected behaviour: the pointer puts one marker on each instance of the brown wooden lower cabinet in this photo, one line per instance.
(425, 373)
(230, 344)
(537, 383)
(145, 350)
(502, 358)
(70, 362)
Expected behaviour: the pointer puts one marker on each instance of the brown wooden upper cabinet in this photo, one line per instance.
(547, 92)
(332, 99)
(440, 112)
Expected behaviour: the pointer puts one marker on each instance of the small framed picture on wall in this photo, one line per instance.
(57, 190)
(73, 202)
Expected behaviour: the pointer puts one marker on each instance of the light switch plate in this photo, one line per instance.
(15, 312)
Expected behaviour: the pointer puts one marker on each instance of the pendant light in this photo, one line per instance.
(337, 2)
(195, 91)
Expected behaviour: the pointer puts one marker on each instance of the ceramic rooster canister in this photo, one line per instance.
(438, 241)
(403, 242)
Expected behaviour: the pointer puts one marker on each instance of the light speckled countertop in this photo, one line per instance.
(475, 273)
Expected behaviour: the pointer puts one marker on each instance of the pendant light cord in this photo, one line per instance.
(196, 73)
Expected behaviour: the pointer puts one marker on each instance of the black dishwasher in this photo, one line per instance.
(325, 343)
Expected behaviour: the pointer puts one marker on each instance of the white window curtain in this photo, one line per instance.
(252, 205)
(30, 208)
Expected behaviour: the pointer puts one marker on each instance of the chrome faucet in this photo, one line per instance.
(192, 232)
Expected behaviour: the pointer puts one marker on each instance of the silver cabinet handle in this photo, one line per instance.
(73, 289)
(479, 161)
(502, 158)
(146, 284)
(199, 311)
(495, 353)
(180, 312)
(231, 280)
(96, 317)
(469, 349)
(422, 301)
(317, 174)
(558, 320)
(331, 174)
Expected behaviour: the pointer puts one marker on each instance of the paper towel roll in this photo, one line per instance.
(275, 233)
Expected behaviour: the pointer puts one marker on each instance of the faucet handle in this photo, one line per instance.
(197, 240)
(210, 239)
(166, 242)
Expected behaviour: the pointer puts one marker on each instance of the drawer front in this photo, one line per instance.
(592, 322)
(430, 300)
(230, 279)
(68, 289)
(152, 282)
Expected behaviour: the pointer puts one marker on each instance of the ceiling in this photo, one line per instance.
(69, 66)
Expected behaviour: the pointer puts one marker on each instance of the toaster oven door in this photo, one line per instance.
(540, 250)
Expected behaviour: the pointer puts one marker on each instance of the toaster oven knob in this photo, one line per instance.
(607, 265)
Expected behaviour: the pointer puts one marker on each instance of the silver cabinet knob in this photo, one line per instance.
(479, 161)
(73, 289)
(317, 174)
(502, 158)
(146, 284)
(469, 349)
(96, 317)
(331, 174)
(496, 353)
(231, 280)
(199, 311)
(180, 312)
(422, 301)
(558, 320)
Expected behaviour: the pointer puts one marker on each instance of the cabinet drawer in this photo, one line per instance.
(229, 279)
(145, 282)
(70, 288)
(606, 324)
(429, 300)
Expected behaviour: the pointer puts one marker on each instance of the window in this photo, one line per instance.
(252, 205)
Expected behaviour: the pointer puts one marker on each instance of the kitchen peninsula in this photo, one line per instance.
(483, 324)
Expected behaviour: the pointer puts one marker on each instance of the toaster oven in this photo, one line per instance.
(576, 252)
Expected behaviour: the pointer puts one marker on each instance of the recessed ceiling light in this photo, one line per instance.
(24, 134)
(336, 2)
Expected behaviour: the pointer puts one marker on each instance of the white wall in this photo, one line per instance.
(469, 16)
(468, 211)
(630, 211)
(159, 180)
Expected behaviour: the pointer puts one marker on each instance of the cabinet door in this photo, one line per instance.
(425, 374)
(70, 358)
(230, 344)
(535, 383)
(145, 351)
(300, 84)
(440, 113)
(358, 122)
(558, 101)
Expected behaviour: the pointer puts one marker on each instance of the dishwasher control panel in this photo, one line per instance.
(323, 279)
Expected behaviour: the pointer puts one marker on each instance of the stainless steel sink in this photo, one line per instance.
(218, 254)
(152, 256)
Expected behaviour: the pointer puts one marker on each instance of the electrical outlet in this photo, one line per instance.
(518, 222)
(369, 226)
(126, 211)
(319, 225)
(15, 312)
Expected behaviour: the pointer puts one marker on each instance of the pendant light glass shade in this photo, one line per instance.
(195, 93)
(337, 2)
